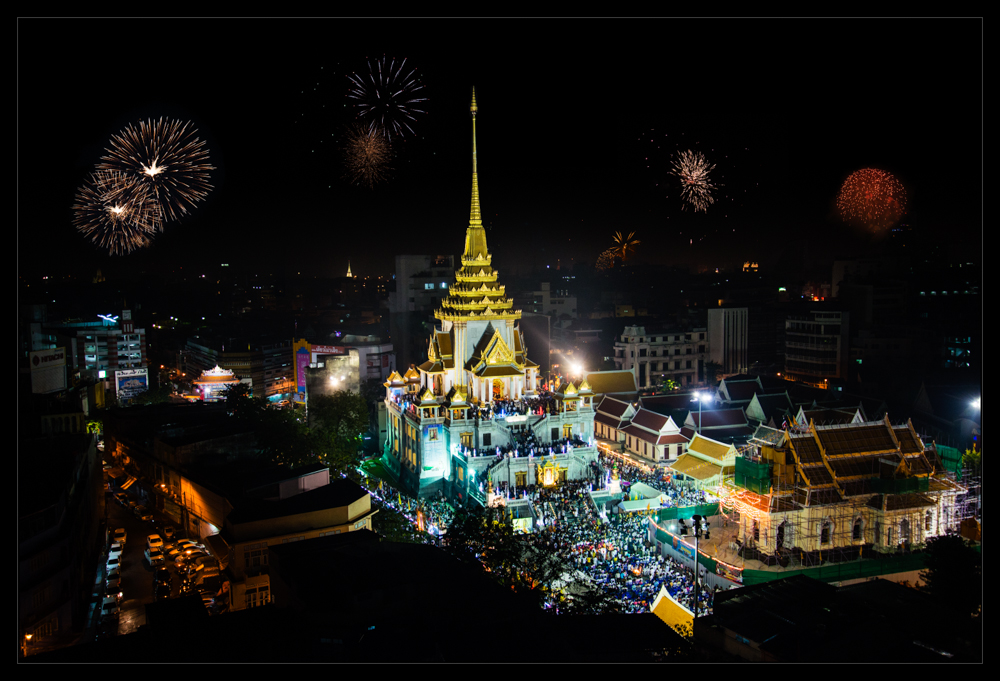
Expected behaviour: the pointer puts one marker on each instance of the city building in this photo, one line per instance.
(108, 351)
(306, 507)
(59, 538)
(478, 392)
(421, 284)
(212, 385)
(267, 364)
(816, 348)
(654, 438)
(345, 365)
(552, 303)
(659, 356)
(728, 339)
(803, 620)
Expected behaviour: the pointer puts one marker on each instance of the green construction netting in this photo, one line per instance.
(837, 572)
(952, 459)
(906, 486)
(755, 477)
(687, 511)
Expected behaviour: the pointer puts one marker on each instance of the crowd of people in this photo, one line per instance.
(612, 552)
(678, 493)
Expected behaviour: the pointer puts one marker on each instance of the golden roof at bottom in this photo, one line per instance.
(699, 469)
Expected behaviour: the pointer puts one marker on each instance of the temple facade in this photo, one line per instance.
(478, 398)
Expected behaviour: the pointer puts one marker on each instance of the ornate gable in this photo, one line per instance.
(497, 351)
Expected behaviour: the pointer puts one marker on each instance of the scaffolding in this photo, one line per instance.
(821, 494)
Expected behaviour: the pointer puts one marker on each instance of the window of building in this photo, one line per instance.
(429, 286)
(825, 532)
(487, 439)
(555, 433)
(927, 521)
(859, 529)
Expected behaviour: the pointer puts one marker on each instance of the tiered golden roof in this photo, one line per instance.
(476, 293)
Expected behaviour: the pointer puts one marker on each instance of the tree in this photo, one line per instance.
(241, 404)
(338, 421)
(487, 535)
(954, 573)
(152, 396)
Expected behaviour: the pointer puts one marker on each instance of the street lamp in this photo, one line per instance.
(697, 521)
(700, 398)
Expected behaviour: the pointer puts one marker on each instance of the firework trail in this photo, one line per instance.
(366, 156)
(696, 187)
(386, 98)
(116, 213)
(872, 198)
(166, 157)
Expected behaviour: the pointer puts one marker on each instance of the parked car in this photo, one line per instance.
(142, 513)
(119, 535)
(113, 593)
(114, 561)
(186, 543)
(116, 549)
(154, 541)
(189, 556)
(121, 498)
(161, 592)
(161, 575)
(109, 608)
(114, 580)
(154, 556)
(168, 532)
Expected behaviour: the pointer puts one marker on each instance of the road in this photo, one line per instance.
(137, 574)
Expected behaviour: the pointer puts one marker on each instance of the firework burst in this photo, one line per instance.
(165, 156)
(387, 97)
(624, 245)
(606, 260)
(366, 156)
(116, 213)
(872, 198)
(693, 169)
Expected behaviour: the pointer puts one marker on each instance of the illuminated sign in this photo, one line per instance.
(131, 382)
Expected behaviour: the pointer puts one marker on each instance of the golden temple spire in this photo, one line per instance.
(475, 236)
(475, 218)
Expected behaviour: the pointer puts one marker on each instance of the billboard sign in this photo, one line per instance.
(131, 382)
(48, 370)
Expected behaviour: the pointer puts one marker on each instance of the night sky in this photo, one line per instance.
(578, 121)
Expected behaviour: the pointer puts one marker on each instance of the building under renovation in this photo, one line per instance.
(820, 494)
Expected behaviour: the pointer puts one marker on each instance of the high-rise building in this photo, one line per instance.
(728, 339)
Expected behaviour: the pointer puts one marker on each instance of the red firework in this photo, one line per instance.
(872, 198)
